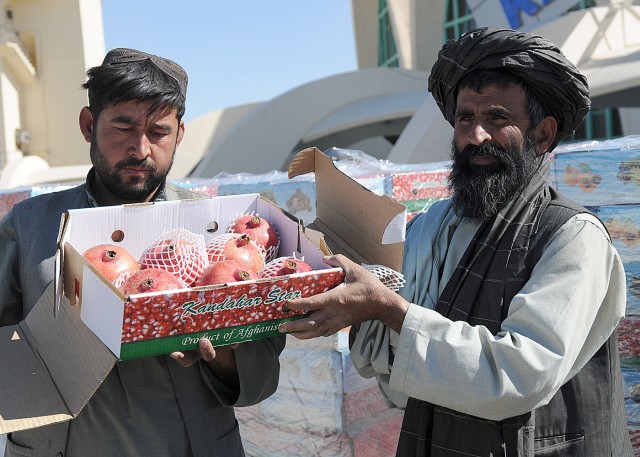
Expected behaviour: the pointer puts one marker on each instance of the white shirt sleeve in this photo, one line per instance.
(569, 307)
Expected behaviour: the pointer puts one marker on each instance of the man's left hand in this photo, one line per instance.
(221, 360)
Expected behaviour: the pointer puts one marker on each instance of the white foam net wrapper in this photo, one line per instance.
(388, 276)
(271, 268)
(122, 278)
(269, 253)
(180, 252)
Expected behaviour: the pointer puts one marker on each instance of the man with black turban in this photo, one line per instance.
(502, 342)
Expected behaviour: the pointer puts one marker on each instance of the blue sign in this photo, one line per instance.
(512, 9)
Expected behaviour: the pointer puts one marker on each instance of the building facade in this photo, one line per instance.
(383, 108)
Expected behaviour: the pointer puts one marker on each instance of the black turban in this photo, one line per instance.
(540, 64)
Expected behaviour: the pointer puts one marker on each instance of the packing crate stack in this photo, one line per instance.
(322, 407)
(605, 178)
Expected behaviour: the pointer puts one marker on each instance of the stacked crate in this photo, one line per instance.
(605, 178)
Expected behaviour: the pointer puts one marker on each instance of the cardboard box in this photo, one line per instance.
(157, 323)
(623, 224)
(599, 177)
(296, 196)
(57, 361)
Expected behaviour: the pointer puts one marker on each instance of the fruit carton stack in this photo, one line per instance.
(297, 196)
(9, 197)
(418, 186)
(322, 407)
(605, 178)
(205, 186)
(590, 178)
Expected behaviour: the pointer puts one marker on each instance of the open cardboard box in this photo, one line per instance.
(157, 323)
(54, 360)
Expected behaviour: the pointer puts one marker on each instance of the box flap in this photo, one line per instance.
(366, 227)
(51, 377)
(58, 289)
(29, 395)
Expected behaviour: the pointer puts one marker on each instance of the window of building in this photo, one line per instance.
(600, 124)
(387, 53)
(457, 19)
(582, 5)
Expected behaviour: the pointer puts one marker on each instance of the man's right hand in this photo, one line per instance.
(360, 298)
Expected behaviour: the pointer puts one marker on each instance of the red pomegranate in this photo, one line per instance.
(284, 266)
(113, 261)
(150, 280)
(259, 230)
(181, 255)
(235, 246)
(225, 271)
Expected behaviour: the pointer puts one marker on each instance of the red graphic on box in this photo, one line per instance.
(629, 337)
(420, 185)
(249, 302)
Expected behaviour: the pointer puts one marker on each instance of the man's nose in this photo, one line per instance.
(140, 147)
(479, 134)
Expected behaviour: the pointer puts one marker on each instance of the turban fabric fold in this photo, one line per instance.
(540, 64)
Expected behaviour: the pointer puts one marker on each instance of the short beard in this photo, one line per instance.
(135, 191)
(480, 192)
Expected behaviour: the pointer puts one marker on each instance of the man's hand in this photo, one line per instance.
(361, 298)
(221, 360)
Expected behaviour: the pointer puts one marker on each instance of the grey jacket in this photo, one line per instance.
(28, 236)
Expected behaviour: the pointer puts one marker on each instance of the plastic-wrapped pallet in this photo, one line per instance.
(605, 177)
(322, 407)
(205, 186)
(10, 197)
(599, 173)
(297, 196)
(417, 186)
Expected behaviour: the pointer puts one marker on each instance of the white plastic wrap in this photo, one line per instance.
(322, 407)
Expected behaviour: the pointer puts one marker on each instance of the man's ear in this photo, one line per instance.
(180, 133)
(545, 134)
(86, 123)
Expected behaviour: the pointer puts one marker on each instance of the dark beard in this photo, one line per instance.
(481, 192)
(131, 191)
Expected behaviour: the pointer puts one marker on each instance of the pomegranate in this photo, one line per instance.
(259, 230)
(181, 253)
(234, 246)
(284, 266)
(225, 271)
(150, 280)
(113, 261)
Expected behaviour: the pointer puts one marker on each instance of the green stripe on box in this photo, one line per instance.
(419, 205)
(219, 337)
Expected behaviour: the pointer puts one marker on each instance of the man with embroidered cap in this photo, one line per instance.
(502, 342)
(176, 405)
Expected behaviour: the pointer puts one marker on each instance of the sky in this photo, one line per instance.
(237, 51)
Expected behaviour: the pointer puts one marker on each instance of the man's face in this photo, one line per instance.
(493, 155)
(132, 151)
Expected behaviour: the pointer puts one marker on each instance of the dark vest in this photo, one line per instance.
(586, 417)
